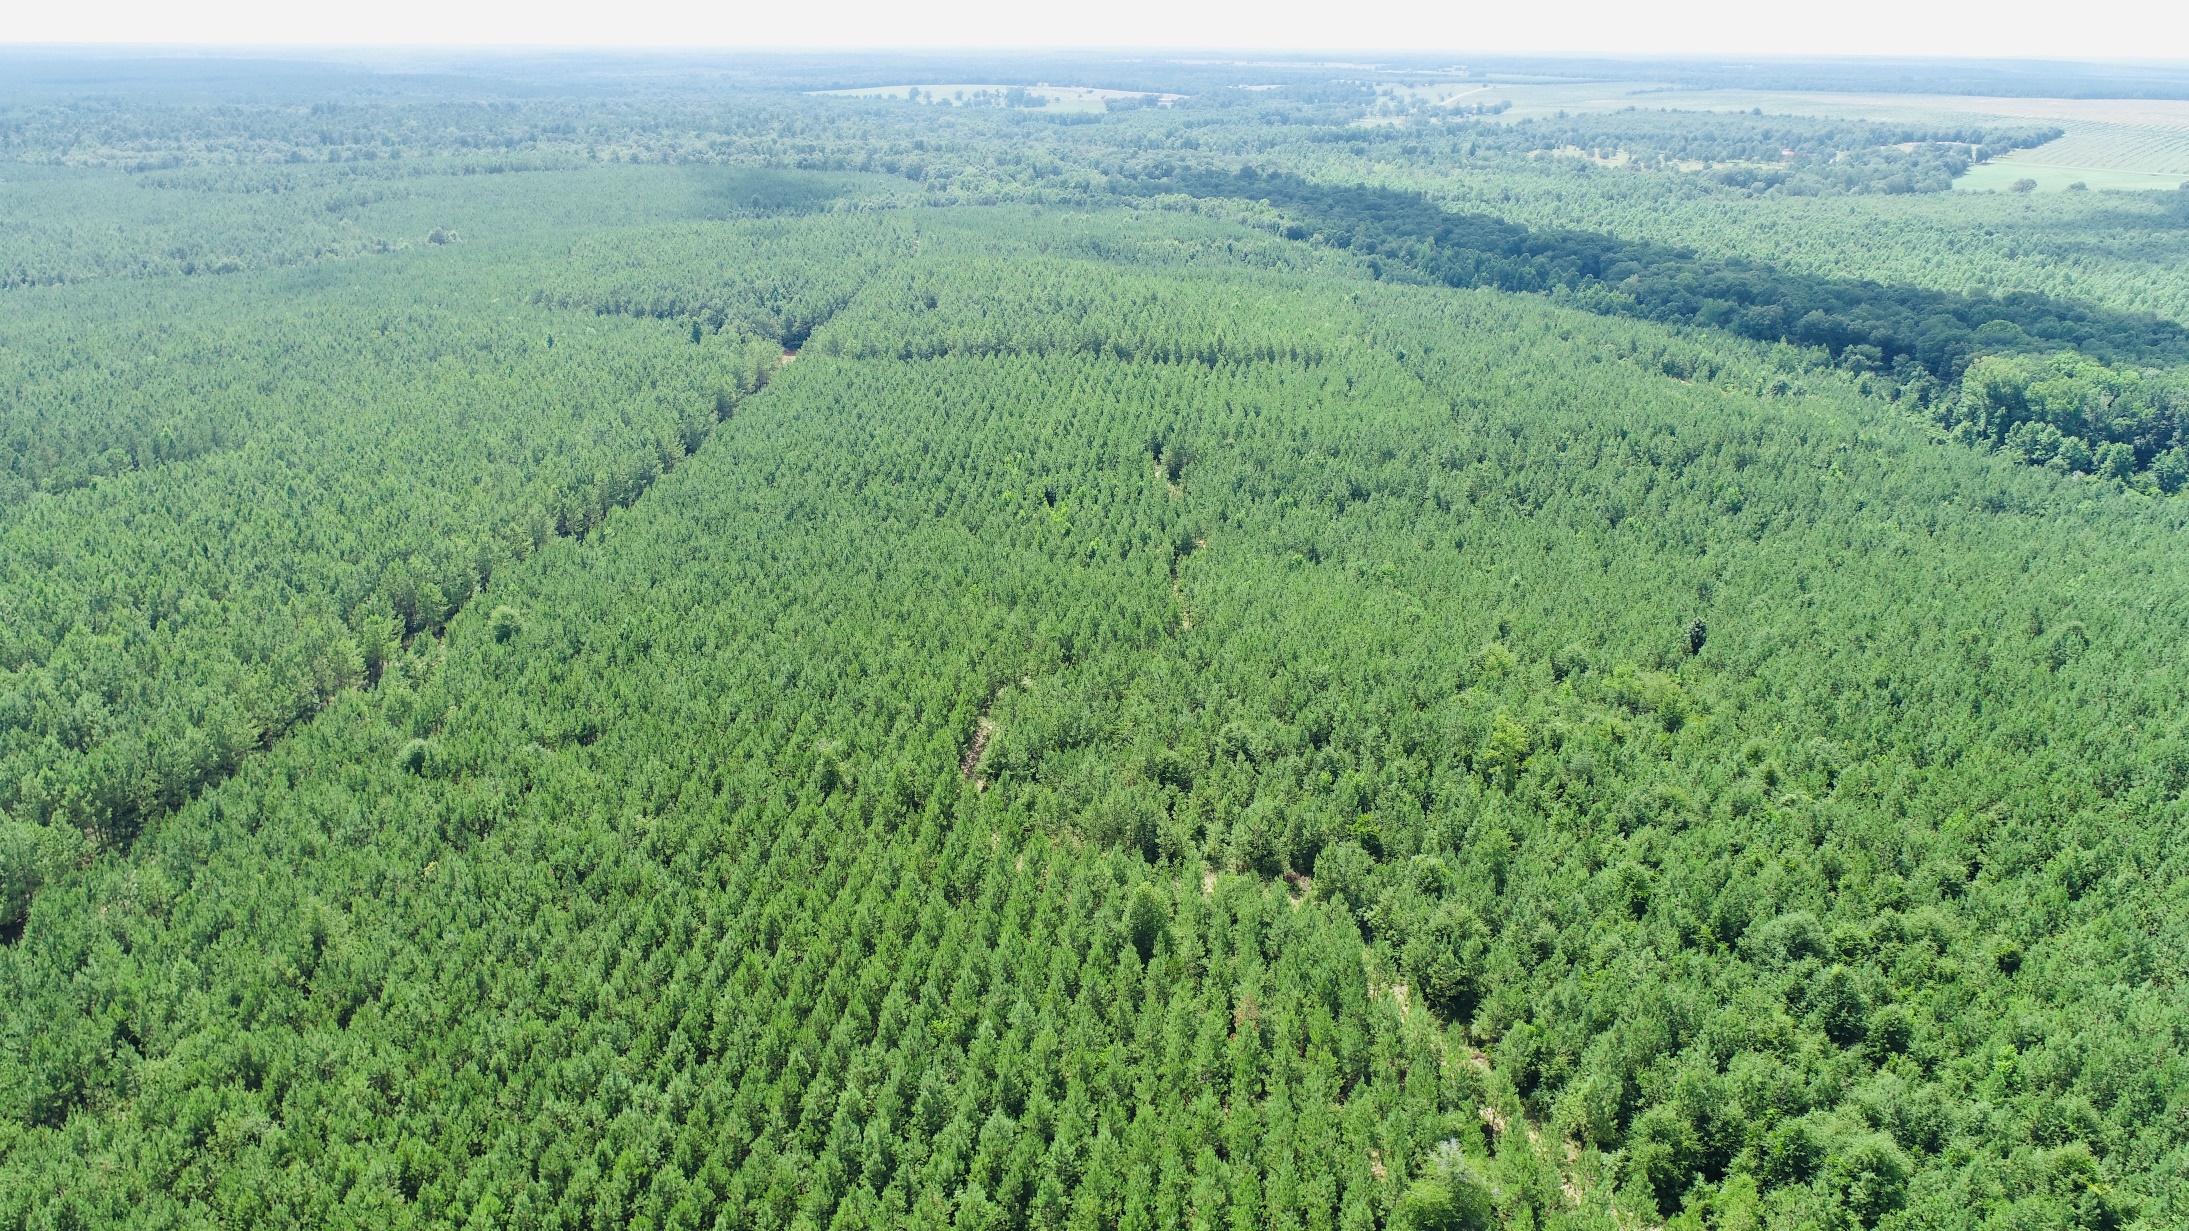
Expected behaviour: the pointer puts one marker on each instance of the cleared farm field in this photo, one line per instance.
(2146, 149)
(2099, 156)
(2002, 174)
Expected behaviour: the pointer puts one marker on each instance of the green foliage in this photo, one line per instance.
(1863, 324)
(30, 856)
(377, 453)
(772, 279)
(504, 623)
(1452, 1196)
(2076, 417)
(1444, 958)
(1145, 919)
(1143, 724)
(1869, 1174)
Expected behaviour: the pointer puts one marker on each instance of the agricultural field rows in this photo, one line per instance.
(2157, 151)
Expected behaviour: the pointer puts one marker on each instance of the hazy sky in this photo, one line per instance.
(2139, 29)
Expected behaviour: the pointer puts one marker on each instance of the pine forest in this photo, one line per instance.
(1390, 650)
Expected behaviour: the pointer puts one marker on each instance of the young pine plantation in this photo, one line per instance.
(1195, 701)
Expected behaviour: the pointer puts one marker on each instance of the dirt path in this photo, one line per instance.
(975, 749)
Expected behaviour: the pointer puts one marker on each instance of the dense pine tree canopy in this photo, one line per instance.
(700, 656)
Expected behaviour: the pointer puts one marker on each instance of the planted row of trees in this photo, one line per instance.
(328, 478)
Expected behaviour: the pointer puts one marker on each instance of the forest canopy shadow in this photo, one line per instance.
(753, 192)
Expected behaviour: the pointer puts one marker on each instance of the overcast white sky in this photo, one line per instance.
(2097, 29)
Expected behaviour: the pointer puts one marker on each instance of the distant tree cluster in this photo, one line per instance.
(2077, 417)
(1787, 155)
